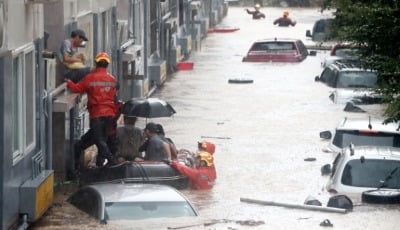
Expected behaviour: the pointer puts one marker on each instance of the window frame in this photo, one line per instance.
(24, 111)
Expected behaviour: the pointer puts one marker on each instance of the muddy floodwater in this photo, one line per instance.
(263, 131)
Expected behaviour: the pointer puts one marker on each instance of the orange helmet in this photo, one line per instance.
(286, 13)
(207, 157)
(207, 146)
(103, 56)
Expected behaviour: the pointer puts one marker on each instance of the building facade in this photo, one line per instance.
(40, 119)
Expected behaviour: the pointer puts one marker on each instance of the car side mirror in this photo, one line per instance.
(316, 78)
(325, 135)
(308, 33)
(313, 53)
(326, 170)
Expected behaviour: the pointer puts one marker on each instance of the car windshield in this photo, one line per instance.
(274, 46)
(357, 79)
(371, 173)
(143, 210)
(344, 138)
(347, 52)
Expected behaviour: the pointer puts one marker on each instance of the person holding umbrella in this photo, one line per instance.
(101, 88)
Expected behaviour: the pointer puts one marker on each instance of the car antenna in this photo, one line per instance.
(369, 125)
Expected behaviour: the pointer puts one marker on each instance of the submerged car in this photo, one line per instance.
(342, 52)
(370, 171)
(351, 83)
(276, 50)
(321, 30)
(361, 131)
(348, 74)
(131, 201)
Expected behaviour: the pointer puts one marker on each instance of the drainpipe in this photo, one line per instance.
(24, 225)
(49, 125)
(146, 38)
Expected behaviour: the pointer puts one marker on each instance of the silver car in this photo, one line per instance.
(131, 201)
(351, 83)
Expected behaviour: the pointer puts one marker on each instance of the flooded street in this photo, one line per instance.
(263, 132)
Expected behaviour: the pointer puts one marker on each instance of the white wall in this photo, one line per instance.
(23, 23)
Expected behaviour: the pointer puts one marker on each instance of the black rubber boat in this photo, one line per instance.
(153, 172)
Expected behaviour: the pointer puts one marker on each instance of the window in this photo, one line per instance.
(173, 8)
(181, 12)
(153, 26)
(343, 138)
(354, 79)
(23, 102)
(137, 23)
(149, 209)
(105, 32)
(371, 173)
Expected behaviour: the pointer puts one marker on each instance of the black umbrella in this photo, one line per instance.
(147, 107)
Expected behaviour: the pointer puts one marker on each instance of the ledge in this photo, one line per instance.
(65, 102)
(63, 99)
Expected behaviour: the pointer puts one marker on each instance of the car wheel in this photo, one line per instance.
(240, 80)
(381, 197)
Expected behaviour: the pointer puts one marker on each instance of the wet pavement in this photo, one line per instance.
(263, 132)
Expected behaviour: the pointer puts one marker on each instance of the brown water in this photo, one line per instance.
(263, 132)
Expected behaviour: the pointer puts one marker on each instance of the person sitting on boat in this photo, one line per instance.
(156, 148)
(130, 138)
(256, 13)
(203, 175)
(285, 20)
(172, 147)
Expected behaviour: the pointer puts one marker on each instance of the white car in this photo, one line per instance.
(361, 131)
(370, 171)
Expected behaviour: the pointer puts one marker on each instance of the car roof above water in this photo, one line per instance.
(349, 65)
(364, 123)
(132, 192)
(372, 152)
(278, 40)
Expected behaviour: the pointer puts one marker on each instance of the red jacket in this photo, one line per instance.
(200, 178)
(101, 88)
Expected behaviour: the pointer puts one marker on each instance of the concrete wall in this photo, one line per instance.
(23, 24)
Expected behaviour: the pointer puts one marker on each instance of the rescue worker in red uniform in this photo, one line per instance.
(203, 175)
(256, 13)
(206, 146)
(101, 88)
(285, 20)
